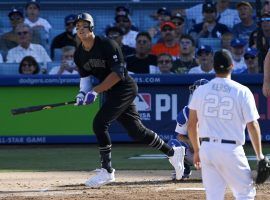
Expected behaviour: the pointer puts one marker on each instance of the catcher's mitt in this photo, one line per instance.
(263, 170)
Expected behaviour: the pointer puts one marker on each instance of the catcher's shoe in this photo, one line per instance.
(103, 177)
(184, 177)
(177, 161)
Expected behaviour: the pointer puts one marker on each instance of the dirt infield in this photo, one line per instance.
(135, 185)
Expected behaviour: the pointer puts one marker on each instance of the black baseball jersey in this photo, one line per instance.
(104, 57)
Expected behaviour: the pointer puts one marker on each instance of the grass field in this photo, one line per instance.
(82, 157)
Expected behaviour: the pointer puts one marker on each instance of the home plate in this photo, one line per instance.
(194, 189)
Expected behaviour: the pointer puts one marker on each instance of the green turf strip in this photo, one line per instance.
(82, 157)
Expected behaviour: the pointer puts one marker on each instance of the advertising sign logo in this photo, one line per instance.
(143, 102)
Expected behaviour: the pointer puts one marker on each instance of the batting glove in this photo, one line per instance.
(79, 99)
(90, 97)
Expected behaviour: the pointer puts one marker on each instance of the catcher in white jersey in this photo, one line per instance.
(223, 108)
(182, 133)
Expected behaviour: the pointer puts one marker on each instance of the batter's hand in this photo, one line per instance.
(90, 97)
(79, 99)
(196, 160)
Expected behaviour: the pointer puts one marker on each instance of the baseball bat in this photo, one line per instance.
(17, 111)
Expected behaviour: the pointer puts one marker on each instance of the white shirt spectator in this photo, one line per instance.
(40, 22)
(55, 70)
(16, 54)
(239, 67)
(130, 38)
(229, 17)
(198, 70)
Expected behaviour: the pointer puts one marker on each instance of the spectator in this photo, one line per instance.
(266, 6)
(142, 62)
(209, 28)
(251, 60)
(205, 55)
(238, 50)
(26, 48)
(247, 24)
(123, 10)
(262, 38)
(9, 40)
(226, 39)
(186, 60)
(161, 15)
(165, 63)
(40, 26)
(123, 21)
(67, 67)
(66, 38)
(116, 34)
(28, 66)
(225, 15)
(179, 22)
(169, 43)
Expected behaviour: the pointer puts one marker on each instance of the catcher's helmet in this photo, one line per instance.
(197, 84)
(85, 17)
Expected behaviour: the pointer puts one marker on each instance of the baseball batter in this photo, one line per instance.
(182, 133)
(223, 108)
(102, 58)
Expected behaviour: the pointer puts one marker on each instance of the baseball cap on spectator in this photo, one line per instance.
(204, 49)
(114, 29)
(178, 16)
(169, 24)
(208, 8)
(265, 16)
(163, 11)
(121, 10)
(222, 61)
(15, 10)
(238, 42)
(35, 2)
(70, 19)
(251, 52)
(243, 3)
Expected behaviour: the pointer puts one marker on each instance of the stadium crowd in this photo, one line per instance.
(182, 41)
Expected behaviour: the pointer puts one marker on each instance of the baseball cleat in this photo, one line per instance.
(177, 161)
(103, 177)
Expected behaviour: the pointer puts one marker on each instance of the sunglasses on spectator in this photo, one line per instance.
(13, 18)
(204, 53)
(178, 23)
(86, 27)
(266, 2)
(27, 64)
(22, 33)
(69, 23)
(166, 29)
(141, 41)
(122, 20)
(164, 61)
(247, 57)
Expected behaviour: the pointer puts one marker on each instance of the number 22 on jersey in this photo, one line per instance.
(215, 106)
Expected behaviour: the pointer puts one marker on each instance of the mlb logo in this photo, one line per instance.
(143, 101)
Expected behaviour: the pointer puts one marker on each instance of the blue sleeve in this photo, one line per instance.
(182, 116)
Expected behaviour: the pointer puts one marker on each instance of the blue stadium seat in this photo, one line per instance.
(9, 68)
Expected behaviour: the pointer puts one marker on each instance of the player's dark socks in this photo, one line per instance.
(106, 157)
(159, 144)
